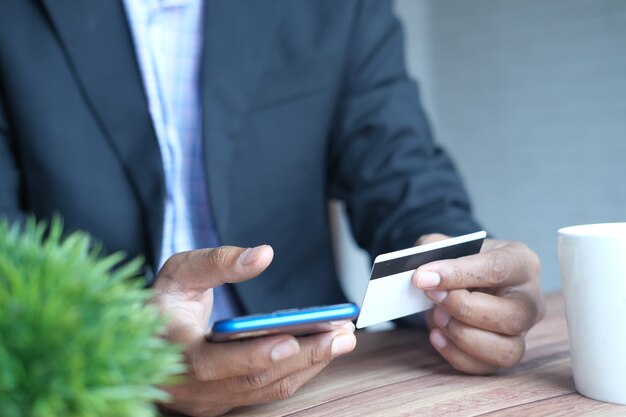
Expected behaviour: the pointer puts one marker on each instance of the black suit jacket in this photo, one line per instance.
(302, 101)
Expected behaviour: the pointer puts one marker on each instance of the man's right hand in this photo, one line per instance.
(222, 376)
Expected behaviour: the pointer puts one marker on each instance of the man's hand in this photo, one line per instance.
(485, 304)
(226, 375)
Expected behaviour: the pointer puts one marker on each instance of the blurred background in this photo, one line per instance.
(529, 98)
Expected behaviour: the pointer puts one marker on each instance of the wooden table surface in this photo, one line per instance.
(398, 373)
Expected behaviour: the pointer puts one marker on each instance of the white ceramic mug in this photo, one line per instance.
(593, 273)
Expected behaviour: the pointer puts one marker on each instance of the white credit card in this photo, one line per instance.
(391, 293)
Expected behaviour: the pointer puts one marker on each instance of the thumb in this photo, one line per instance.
(202, 269)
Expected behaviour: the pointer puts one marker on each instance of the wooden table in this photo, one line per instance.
(398, 373)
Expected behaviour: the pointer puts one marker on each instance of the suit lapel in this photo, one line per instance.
(99, 45)
(238, 35)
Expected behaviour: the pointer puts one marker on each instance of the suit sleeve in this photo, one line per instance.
(9, 173)
(396, 183)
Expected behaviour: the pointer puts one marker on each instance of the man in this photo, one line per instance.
(166, 126)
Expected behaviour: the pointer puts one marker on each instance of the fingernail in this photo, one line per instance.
(250, 255)
(343, 344)
(441, 317)
(436, 295)
(438, 339)
(284, 350)
(428, 279)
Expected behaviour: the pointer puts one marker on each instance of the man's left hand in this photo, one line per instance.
(485, 304)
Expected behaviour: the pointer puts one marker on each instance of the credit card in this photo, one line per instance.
(391, 293)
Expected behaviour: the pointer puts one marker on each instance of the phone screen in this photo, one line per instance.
(297, 321)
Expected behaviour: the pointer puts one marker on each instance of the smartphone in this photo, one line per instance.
(295, 321)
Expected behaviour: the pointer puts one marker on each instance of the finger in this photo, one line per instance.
(212, 361)
(505, 265)
(287, 386)
(316, 349)
(511, 314)
(263, 360)
(208, 268)
(210, 398)
(488, 347)
(261, 384)
(277, 381)
(458, 359)
(319, 348)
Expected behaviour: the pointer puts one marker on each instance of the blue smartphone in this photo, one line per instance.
(296, 321)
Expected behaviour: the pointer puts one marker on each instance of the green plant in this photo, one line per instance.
(77, 337)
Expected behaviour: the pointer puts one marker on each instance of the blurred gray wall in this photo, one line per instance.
(529, 97)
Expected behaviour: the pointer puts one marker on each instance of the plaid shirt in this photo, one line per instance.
(168, 43)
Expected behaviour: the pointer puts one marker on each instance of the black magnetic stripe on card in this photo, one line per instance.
(410, 262)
